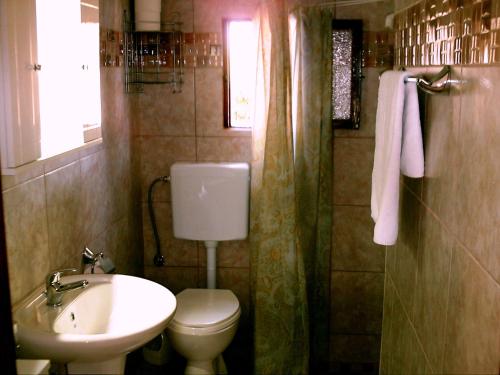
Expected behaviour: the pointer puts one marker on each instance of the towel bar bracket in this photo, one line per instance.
(434, 84)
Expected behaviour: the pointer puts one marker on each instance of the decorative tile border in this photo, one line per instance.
(111, 47)
(199, 50)
(202, 50)
(448, 32)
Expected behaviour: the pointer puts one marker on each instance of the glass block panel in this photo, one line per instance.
(341, 74)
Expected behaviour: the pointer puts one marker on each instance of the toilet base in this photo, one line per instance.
(217, 366)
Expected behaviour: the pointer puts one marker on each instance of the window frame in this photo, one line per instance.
(226, 79)
(356, 27)
(20, 139)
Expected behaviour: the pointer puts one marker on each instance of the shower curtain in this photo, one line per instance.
(291, 190)
(312, 123)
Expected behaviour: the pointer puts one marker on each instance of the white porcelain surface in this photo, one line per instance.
(203, 327)
(204, 308)
(210, 201)
(112, 316)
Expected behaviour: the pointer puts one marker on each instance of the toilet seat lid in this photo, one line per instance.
(205, 307)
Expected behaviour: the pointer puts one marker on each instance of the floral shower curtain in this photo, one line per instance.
(281, 339)
(311, 98)
(291, 211)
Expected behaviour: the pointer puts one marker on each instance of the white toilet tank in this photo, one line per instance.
(210, 201)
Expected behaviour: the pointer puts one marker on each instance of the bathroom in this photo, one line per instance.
(428, 304)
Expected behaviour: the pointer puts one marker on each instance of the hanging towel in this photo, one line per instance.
(412, 149)
(398, 146)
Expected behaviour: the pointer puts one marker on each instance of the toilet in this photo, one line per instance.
(210, 203)
(203, 326)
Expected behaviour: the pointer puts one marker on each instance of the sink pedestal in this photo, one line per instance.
(115, 366)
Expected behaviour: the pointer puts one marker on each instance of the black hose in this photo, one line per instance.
(158, 259)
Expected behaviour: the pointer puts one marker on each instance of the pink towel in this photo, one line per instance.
(398, 146)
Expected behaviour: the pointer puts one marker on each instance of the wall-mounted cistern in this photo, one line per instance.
(210, 203)
(55, 290)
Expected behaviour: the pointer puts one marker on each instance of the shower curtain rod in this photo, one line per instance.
(342, 3)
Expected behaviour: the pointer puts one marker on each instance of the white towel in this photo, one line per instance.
(395, 149)
(412, 149)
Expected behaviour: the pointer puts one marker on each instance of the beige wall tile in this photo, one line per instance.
(177, 252)
(373, 15)
(115, 115)
(238, 281)
(111, 12)
(85, 197)
(158, 111)
(175, 279)
(65, 219)
(407, 356)
(386, 345)
(369, 95)
(406, 249)
(443, 170)
(401, 4)
(354, 348)
(352, 171)
(209, 102)
(117, 243)
(353, 248)
(208, 15)
(157, 155)
(25, 216)
(459, 227)
(95, 188)
(227, 149)
(178, 10)
(478, 195)
(234, 254)
(432, 285)
(209, 106)
(23, 175)
(118, 169)
(473, 323)
(356, 302)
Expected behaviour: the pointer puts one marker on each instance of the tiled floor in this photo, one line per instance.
(354, 369)
(237, 357)
(136, 365)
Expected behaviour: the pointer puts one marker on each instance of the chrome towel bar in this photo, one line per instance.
(434, 84)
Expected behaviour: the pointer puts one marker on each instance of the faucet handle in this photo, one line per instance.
(55, 276)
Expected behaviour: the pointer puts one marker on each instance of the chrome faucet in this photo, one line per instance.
(55, 290)
(88, 257)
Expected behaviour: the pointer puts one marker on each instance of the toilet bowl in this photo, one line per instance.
(203, 326)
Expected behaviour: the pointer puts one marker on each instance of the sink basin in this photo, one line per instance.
(112, 316)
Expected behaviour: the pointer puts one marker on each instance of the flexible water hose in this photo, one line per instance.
(158, 259)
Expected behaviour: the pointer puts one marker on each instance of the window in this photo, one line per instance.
(346, 73)
(49, 81)
(239, 80)
(69, 83)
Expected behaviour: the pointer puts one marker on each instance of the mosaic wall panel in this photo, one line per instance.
(378, 49)
(204, 50)
(200, 50)
(452, 32)
(111, 47)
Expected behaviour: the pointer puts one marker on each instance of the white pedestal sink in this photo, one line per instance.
(94, 328)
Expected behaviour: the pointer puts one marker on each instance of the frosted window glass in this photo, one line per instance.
(341, 74)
